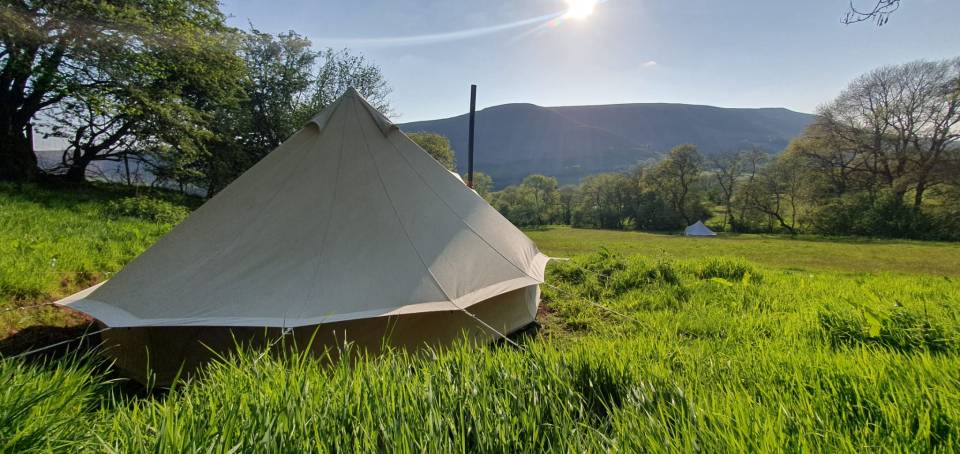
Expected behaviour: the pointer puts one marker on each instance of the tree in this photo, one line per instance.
(437, 146)
(567, 197)
(340, 70)
(646, 205)
(281, 76)
(778, 191)
(543, 190)
(287, 83)
(517, 204)
(728, 168)
(483, 184)
(150, 91)
(75, 56)
(602, 201)
(677, 176)
(893, 127)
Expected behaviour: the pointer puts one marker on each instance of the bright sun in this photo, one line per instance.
(580, 9)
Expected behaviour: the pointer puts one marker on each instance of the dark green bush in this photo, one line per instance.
(732, 269)
(148, 208)
(605, 274)
(884, 215)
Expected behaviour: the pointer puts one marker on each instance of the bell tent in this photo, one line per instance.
(698, 229)
(347, 231)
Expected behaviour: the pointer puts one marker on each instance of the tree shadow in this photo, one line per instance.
(31, 342)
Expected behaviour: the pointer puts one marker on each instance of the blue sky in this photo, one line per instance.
(732, 53)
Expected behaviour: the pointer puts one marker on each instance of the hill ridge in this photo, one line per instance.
(570, 142)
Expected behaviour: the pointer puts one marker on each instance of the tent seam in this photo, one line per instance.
(246, 227)
(399, 218)
(462, 220)
(326, 228)
(414, 247)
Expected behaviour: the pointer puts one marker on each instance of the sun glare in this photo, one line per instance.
(580, 9)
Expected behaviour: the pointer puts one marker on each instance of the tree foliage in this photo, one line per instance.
(112, 77)
(438, 146)
(534, 202)
(883, 159)
(165, 83)
(678, 177)
(649, 197)
(286, 84)
(483, 184)
(894, 128)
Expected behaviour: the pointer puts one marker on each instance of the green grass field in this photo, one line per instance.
(54, 243)
(846, 255)
(649, 343)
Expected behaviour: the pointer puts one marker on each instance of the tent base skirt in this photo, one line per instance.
(157, 355)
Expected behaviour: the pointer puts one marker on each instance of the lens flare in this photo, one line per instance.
(576, 10)
(580, 9)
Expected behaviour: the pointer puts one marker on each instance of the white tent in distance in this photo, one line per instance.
(698, 229)
(347, 231)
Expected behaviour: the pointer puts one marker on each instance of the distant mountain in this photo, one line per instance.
(515, 140)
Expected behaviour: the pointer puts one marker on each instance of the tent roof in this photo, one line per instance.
(698, 229)
(347, 219)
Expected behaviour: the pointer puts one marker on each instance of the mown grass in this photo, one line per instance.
(646, 352)
(847, 255)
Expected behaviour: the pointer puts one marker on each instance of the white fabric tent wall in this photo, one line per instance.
(347, 220)
(699, 229)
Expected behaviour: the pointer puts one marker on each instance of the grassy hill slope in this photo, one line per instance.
(654, 343)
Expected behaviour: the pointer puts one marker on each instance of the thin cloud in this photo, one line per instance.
(400, 41)
(432, 38)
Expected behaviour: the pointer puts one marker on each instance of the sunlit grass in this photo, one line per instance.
(655, 343)
(848, 255)
(54, 243)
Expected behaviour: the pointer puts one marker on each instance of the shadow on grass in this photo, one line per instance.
(70, 339)
(59, 194)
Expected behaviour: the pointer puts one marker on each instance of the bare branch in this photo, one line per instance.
(879, 14)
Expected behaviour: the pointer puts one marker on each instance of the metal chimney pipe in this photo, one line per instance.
(473, 114)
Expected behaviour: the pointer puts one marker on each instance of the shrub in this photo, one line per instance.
(151, 209)
(605, 274)
(733, 269)
(883, 215)
(640, 274)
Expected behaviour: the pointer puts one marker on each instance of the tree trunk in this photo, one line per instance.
(77, 172)
(126, 168)
(17, 160)
(918, 196)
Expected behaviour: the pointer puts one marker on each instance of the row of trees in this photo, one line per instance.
(163, 82)
(660, 196)
(883, 159)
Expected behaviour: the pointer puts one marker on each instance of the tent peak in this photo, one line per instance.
(351, 95)
(698, 229)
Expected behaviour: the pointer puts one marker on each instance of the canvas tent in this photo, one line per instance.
(698, 229)
(348, 226)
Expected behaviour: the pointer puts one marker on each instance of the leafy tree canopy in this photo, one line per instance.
(437, 146)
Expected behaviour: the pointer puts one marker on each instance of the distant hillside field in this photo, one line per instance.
(804, 253)
(515, 140)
